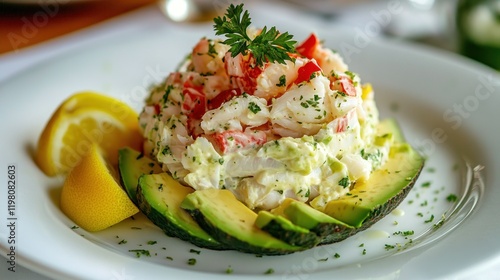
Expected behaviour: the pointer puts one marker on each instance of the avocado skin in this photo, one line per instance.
(334, 234)
(375, 215)
(209, 208)
(154, 216)
(131, 165)
(170, 228)
(294, 238)
(233, 242)
(283, 229)
(383, 210)
(327, 229)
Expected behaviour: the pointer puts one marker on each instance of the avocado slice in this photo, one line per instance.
(159, 197)
(281, 228)
(391, 126)
(371, 200)
(131, 165)
(328, 229)
(232, 223)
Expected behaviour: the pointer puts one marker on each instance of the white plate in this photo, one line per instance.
(415, 85)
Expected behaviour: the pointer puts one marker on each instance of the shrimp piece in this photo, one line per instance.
(206, 57)
(326, 58)
(243, 110)
(329, 60)
(302, 109)
(276, 78)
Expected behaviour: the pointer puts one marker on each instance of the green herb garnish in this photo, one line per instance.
(139, 253)
(451, 198)
(282, 81)
(194, 251)
(430, 219)
(269, 45)
(254, 108)
(404, 233)
(389, 247)
(426, 184)
(344, 182)
(269, 271)
(229, 270)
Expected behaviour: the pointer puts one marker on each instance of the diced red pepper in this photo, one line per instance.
(223, 96)
(305, 72)
(308, 47)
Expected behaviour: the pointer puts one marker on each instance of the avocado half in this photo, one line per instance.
(215, 219)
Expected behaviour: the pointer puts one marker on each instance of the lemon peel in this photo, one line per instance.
(91, 195)
(81, 120)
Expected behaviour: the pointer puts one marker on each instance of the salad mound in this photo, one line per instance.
(266, 127)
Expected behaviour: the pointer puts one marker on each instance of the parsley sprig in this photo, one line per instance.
(269, 45)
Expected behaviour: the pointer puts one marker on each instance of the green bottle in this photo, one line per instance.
(478, 27)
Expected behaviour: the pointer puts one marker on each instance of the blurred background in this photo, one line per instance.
(469, 27)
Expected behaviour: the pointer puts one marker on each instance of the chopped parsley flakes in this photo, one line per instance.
(282, 81)
(344, 182)
(451, 198)
(139, 253)
(254, 108)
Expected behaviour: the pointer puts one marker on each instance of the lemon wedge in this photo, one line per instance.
(84, 119)
(91, 195)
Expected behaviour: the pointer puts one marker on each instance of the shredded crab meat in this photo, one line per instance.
(266, 132)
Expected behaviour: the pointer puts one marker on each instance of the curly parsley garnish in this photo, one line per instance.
(269, 45)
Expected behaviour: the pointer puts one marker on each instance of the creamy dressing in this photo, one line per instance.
(262, 132)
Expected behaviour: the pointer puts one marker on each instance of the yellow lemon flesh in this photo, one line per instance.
(81, 120)
(91, 196)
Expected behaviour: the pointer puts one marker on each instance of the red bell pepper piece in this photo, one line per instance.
(308, 47)
(305, 72)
